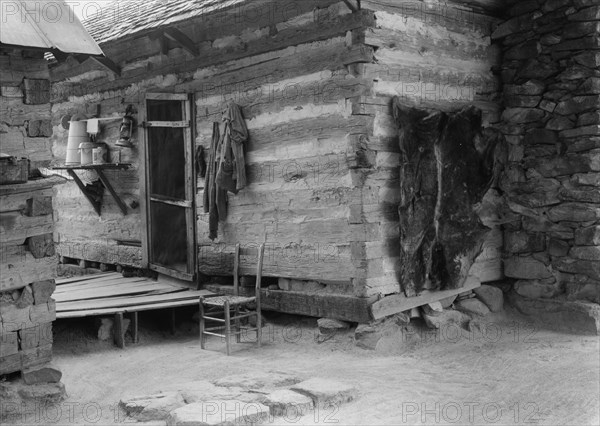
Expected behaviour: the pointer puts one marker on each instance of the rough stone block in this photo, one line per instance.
(590, 268)
(25, 299)
(491, 296)
(583, 195)
(39, 206)
(14, 319)
(448, 301)
(105, 330)
(446, 318)
(587, 14)
(558, 247)
(152, 407)
(526, 50)
(560, 123)
(586, 179)
(287, 403)
(41, 246)
(43, 313)
(547, 105)
(511, 101)
(525, 268)
(575, 317)
(592, 130)
(522, 115)
(331, 326)
(565, 165)
(46, 393)
(258, 380)
(472, 306)
(46, 374)
(588, 59)
(589, 117)
(42, 291)
(529, 88)
(367, 336)
(9, 344)
(536, 70)
(578, 104)
(219, 412)
(38, 335)
(39, 128)
(585, 253)
(523, 242)
(326, 392)
(535, 289)
(588, 236)
(205, 391)
(574, 212)
(580, 287)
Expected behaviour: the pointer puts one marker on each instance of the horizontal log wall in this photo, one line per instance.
(437, 57)
(315, 88)
(293, 76)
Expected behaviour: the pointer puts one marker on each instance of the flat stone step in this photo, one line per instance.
(288, 403)
(326, 392)
(219, 412)
(152, 407)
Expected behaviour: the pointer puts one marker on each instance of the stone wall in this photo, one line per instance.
(551, 119)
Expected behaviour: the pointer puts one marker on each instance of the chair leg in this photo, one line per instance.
(201, 322)
(238, 328)
(227, 326)
(258, 327)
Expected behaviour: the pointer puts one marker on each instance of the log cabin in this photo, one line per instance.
(317, 81)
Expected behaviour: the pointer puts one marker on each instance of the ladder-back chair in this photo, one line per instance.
(229, 305)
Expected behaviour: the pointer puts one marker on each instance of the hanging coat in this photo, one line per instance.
(231, 174)
(215, 199)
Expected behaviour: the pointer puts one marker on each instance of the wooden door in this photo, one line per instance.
(169, 185)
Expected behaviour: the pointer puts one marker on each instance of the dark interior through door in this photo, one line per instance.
(170, 191)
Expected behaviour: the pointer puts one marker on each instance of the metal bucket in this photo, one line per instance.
(77, 136)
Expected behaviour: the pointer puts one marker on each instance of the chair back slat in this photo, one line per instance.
(236, 270)
(259, 266)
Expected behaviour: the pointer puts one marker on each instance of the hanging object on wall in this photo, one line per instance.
(447, 165)
(64, 121)
(93, 128)
(126, 129)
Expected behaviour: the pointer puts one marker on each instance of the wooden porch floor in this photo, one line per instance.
(111, 293)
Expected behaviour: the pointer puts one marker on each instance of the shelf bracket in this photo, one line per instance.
(96, 199)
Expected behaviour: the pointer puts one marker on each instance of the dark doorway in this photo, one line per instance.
(170, 186)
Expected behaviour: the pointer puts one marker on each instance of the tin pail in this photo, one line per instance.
(77, 136)
(87, 149)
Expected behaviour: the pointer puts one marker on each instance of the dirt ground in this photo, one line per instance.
(510, 373)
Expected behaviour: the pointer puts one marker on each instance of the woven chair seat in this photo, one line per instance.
(233, 300)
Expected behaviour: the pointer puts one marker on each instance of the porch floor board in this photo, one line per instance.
(112, 293)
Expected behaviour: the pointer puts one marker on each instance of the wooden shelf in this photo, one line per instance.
(95, 199)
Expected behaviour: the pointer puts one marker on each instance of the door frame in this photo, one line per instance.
(190, 187)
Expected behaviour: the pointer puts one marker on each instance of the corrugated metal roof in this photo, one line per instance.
(119, 18)
(45, 25)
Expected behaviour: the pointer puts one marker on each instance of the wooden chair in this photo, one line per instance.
(210, 306)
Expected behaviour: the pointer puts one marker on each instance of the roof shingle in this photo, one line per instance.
(119, 18)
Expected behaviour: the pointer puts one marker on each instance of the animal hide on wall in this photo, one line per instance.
(447, 165)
